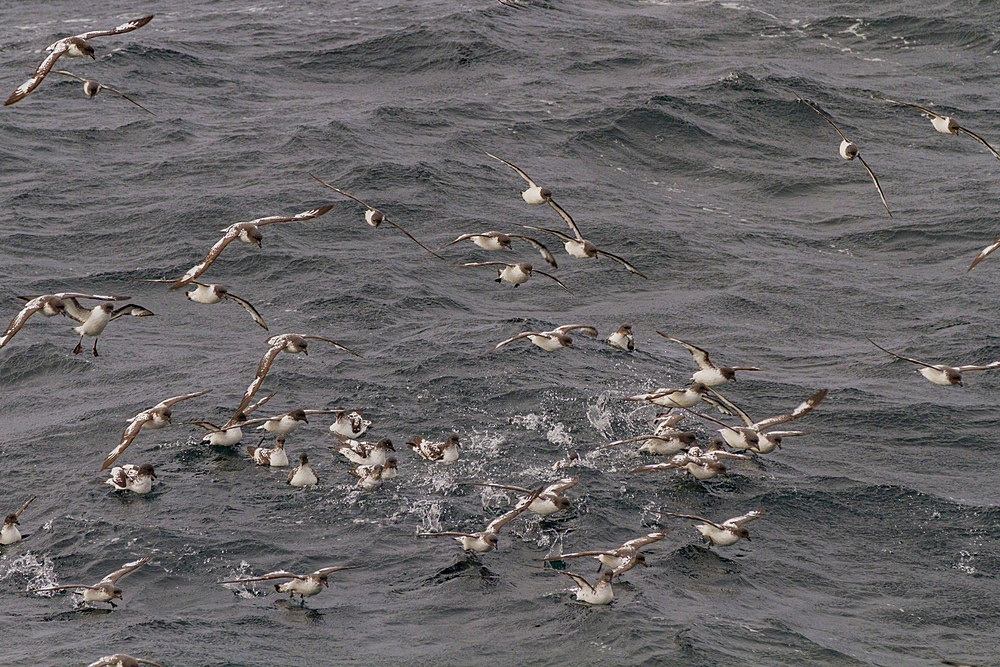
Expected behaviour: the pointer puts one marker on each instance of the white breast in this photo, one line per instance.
(474, 544)
(936, 376)
(450, 455)
(487, 242)
(575, 248)
(602, 594)
(944, 125)
(733, 438)
(9, 534)
(700, 471)
(514, 274)
(304, 476)
(720, 537)
(96, 321)
(203, 294)
(661, 446)
(709, 376)
(848, 150)
(618, 340)
(533, 195)
(545, 342)
(230, 436)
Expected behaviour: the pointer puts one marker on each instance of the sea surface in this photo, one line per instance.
(670, 131)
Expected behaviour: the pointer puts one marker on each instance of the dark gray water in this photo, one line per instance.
(670, 131)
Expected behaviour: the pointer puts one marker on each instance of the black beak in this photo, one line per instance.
(305, 420)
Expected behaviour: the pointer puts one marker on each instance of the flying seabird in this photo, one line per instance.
(945, 124)
(620, 559)
(371, 476)
(284, 424)
(701, 464)
(582, 248)
(350, 424)
(304, 474)
(276, 457)
(137, 479)
(752, 436)
(48, 305)
(623, 338)
(91, 88)
(536, 195)
(247, 232)
(105, 590)
(298, 584)
(375, 217)
(211, 293)
(664, 439)
(224, 437)
(486, 539)
(443, 452)
(939, 373)
(122, 660)
(849, 151)
(599, 593)
(288, 342)
(723, 534)
(516, 273)
(364, 453)
(549, 501)
(672, 398)
(9, 532)
(155, 417)
(501, 241)
(75, 46)
(550, 340)
(709, 374)
(94, 320)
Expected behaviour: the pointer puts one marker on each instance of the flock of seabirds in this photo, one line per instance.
(375, 462)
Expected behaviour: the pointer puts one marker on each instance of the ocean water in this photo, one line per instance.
(670, 131)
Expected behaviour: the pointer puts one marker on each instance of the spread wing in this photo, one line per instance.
(98, 297)
(561, 485)
(899, 356)
(537, 245)
(801, 409)
(717, 455)
(693, 518)
(523, 334)
(616, 443)
(117, 30)
(262, 368)
(126, 569)
(589, 330)
(672, 464)
(258, 404)
(578, 578)
(826, 118)
(732, 407)
(464, 237)
(984, 253)
(746, 518)
(624, 263)
(555, 232)
(412, 237)
(700, 356)
(877, 186)
(987, 367)
(60, 588)
(249, 308)
(447, 534)
(552, 277)
(980, 140)
(566, 217)
(279, 574)
(339, 191)
(653, 395)
(101, 86)
(639, 542)
(232, 232)
(485, 264)
(15, 325)
(579, 554)
(298, 217)
(519, 171)
(21, 91)
(208, 426)
(24, 506)
(713, 420)
(337, 568)
(131, 309)
(334, 343)
(907, 104)
(166, 403)
(319, 412)
(496, 524)
(132, 430)
(509, 487)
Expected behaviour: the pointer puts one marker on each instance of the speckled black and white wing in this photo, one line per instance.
(167, 402)
(578, 578)
(117, 30)
(263, 367)
(298, 217)
(58, 49)
(322, 572)
(496, 524)
(802, 408)
(278, 574)
(984, 253)
(131, 431)
(125, 569)
(232, 233)
(587, 329)
(523, 334)
(15, 325)
(639, 542)
(561, 485)
(738, 521)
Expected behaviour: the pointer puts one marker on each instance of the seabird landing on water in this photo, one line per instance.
(75, 46)
(155, 417)
(375, 217)
(298, 584)
(752, 436)
(9, 534)
(623, 338)
(48, 305)
(350, 424)
(487, 539)
(516, 273)
(600, 593)
(246, 232)
(549, 501)
(700, 464)
(664, 439)
(442, 452)
(122, 660)
(501, 241)
(137, 479)
(284, 424)
(709, 374)
(211, 293)
(723, 534)
(620, 559)
(364, 453)
(288, 342)
(105, 590)
(276, 457)
(939, 373)
(849, 151)
(224, 437)
(672, 398)
(550, 340)
(91, 88)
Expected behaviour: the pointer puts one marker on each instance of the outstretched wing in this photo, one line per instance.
(519, 171)
(523, 334)
(101, 86)
(126, 569)
(624, 263)
(669, 465)
(578, 578)
(987, 367)
(578, 554)
(249, 308)
(899, 356)
(648, 538)
(339, 191)
(117, 30)
(555, 232)
(984, 253)
(279, 574)
(561, 485)
(262, 368)
(496, 524)
(337, 568)
(166, 403)
(132, 430)
(746, 518)
(700, 356)
(907, 104)
(509, 487)
(484, 264)
(549, 275)
(231, 233)
(15, 325)
(298, 217)
(24, 506)
(877, 186)
(60, 588)
(537, 245)
(447, 534)
(587, 329)
(980, 140)
(464, 237)
(21, 91)
(732, 408)
(801, 409)
(334, 343)
(566, 217)
(693, 518)
(412, 237)
(131, 309)
(826, 118)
